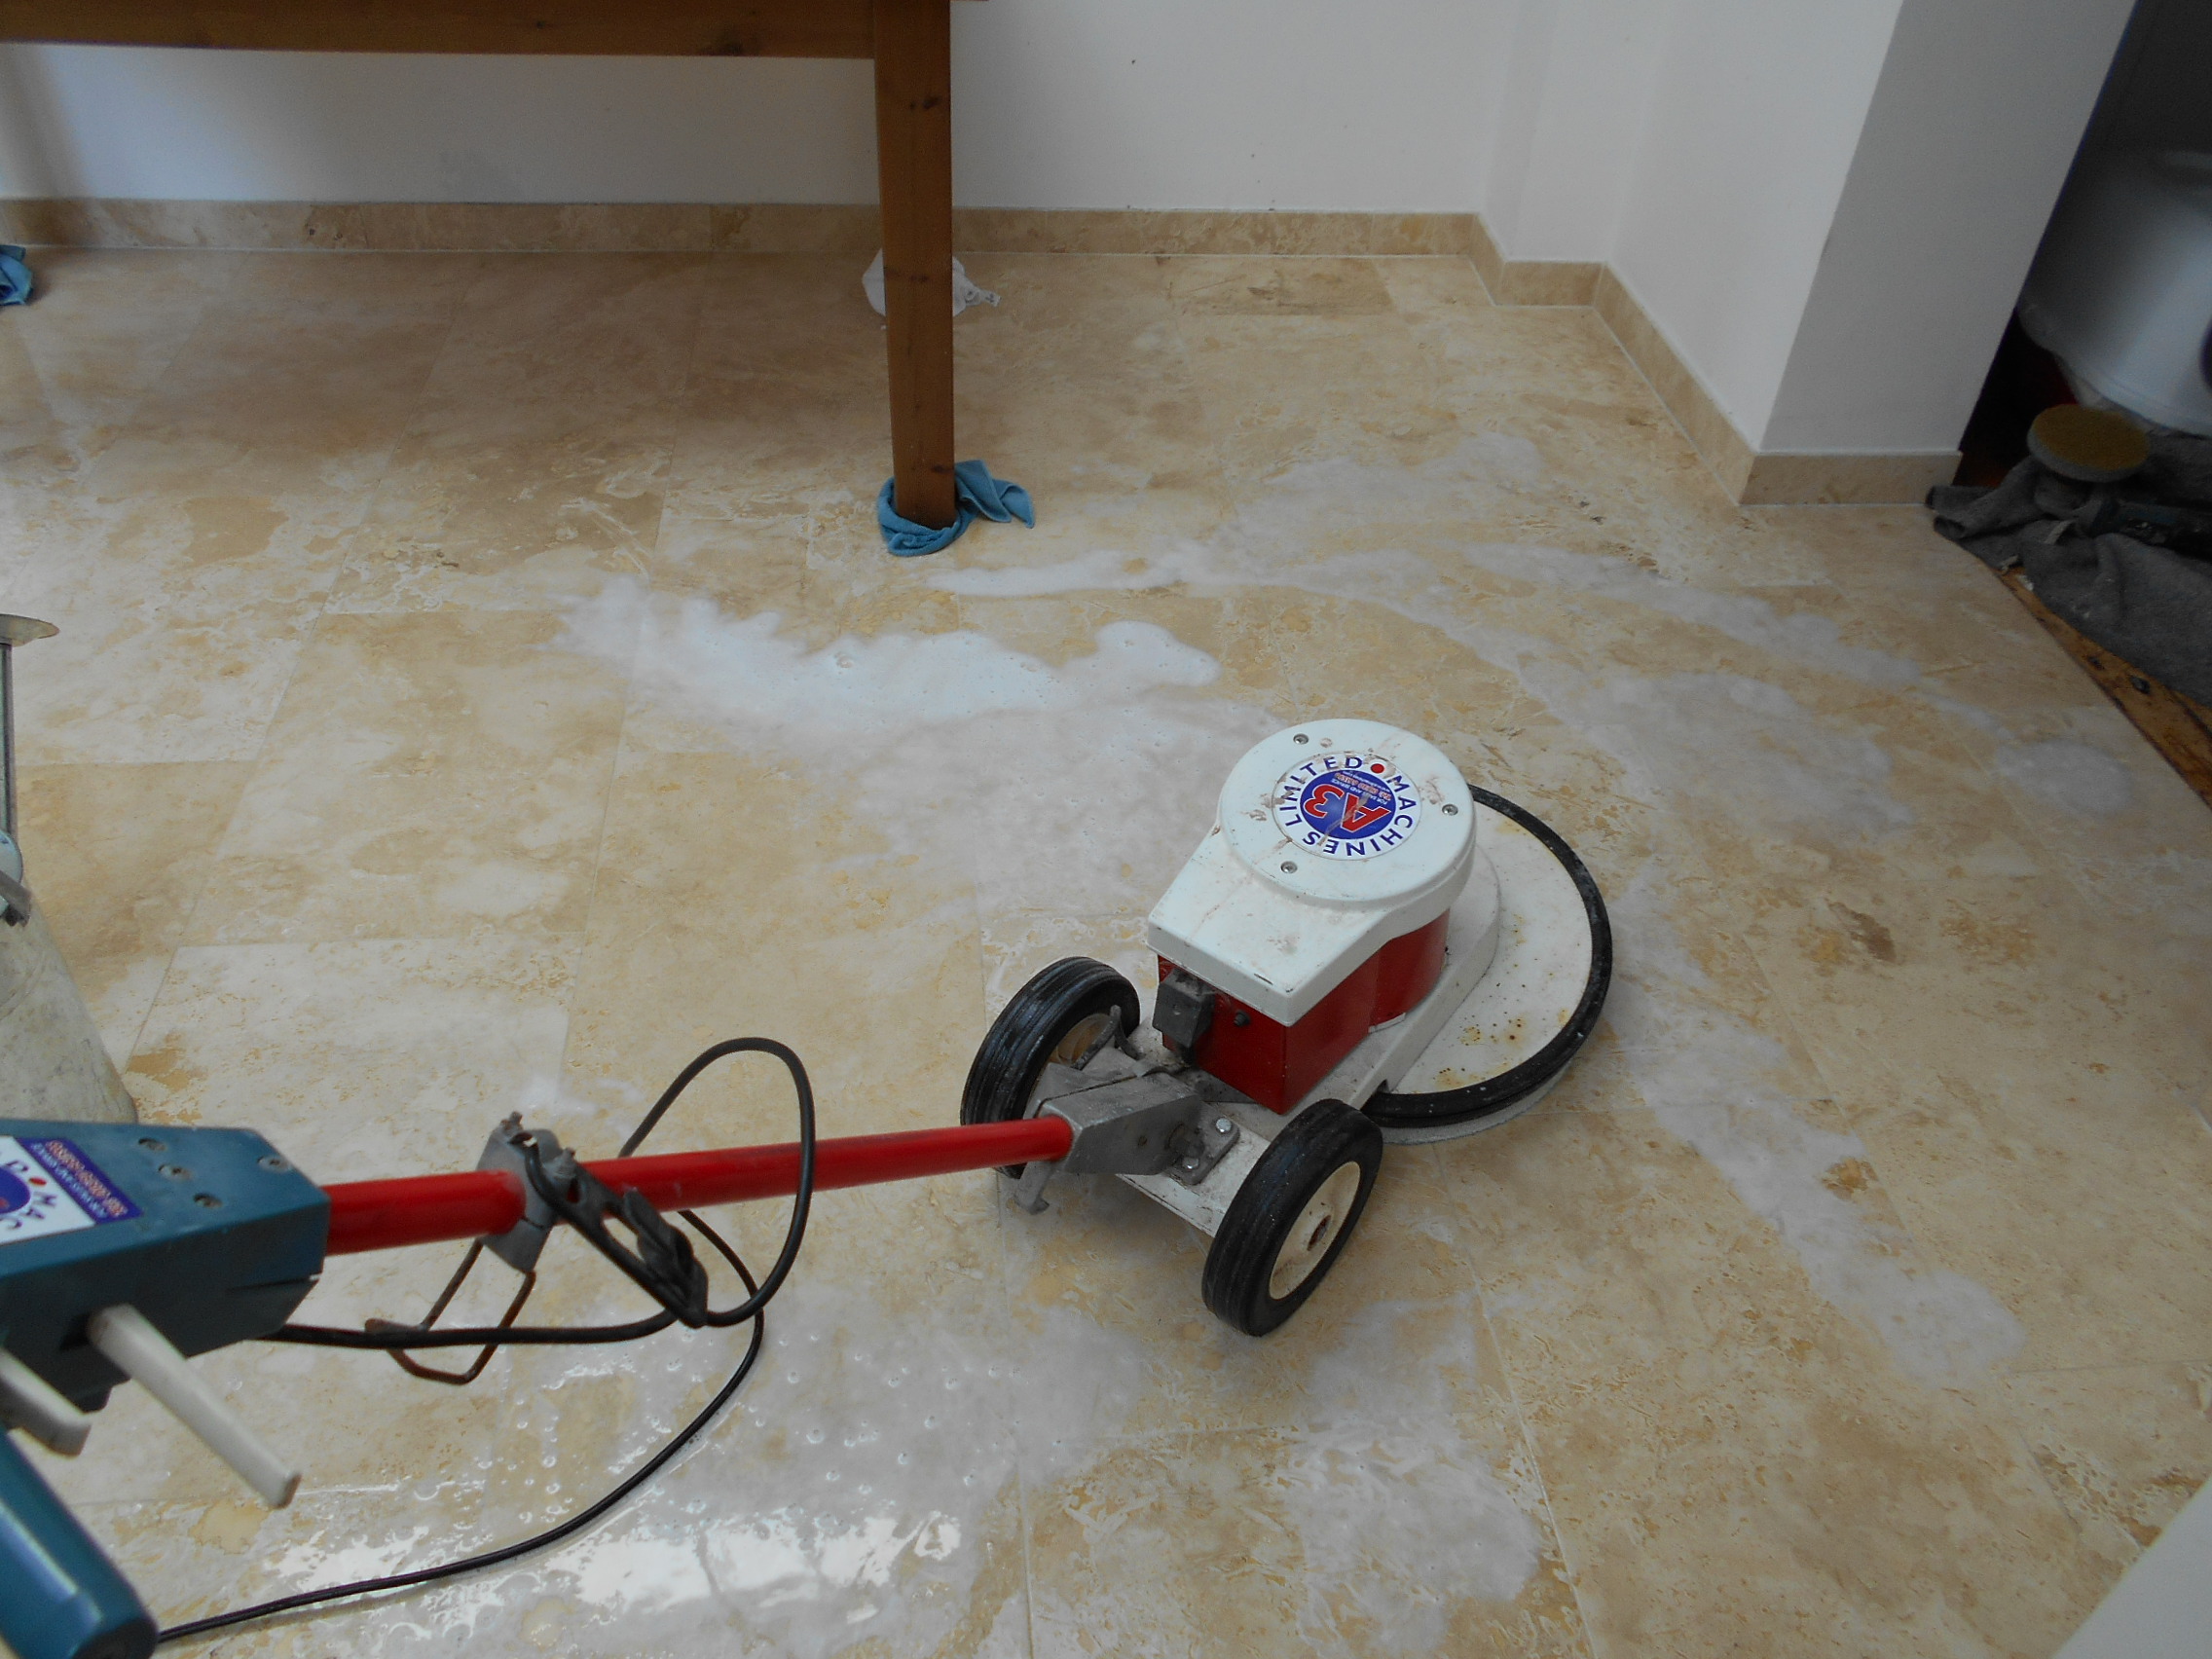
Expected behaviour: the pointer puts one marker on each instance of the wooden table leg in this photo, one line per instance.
(914, 145)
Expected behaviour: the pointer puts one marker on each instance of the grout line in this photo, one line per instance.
(1567, 1551)
(1659, 398)
(622, 724)
(312, 627)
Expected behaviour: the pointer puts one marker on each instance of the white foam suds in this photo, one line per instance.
(846, 1498)
(1396, 1528)
(1264, 545)
(745, 673)
(2072, 776)
(1376, 1510)
(1075, 788)
(1743, 746)
(1716, 1084)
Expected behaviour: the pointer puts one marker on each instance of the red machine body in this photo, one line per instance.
(1276, 1064)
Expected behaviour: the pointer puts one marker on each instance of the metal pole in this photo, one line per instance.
(14, 631)
(7, 731)
(426, 1209)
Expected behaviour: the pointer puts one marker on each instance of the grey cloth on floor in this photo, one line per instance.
(2147, 604)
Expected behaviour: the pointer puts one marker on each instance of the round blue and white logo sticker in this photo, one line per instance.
(1346, 807)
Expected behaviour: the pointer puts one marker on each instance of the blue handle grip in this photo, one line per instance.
(59, 1596)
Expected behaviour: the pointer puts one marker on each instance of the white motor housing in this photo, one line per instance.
(1332, 839)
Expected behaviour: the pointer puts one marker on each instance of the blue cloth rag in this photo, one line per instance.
(977, 494)
(14, 276)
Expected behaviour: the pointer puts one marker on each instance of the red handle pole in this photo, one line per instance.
(425, 1210)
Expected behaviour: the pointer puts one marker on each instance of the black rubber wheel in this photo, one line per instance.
(1290, 1219)
(1495, 1099)
(1058, 1015)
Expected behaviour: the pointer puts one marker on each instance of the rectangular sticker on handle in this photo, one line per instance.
(47, 1186)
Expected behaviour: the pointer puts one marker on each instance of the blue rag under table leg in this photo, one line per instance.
(976, 495)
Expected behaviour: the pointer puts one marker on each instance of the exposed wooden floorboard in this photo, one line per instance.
(2178, 728)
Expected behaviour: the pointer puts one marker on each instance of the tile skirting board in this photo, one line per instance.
(1751, 478)
(1531, 281)
(1755, 477)
(468, 227)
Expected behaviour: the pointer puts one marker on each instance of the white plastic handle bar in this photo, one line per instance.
(128, 1342)
(32, 1404)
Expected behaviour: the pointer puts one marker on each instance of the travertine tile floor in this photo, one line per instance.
(481, 684)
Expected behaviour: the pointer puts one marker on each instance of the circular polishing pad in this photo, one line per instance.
(2090, 446)
(1535, 1007)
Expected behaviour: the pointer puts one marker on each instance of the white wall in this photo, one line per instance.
(221, 125)
(1825, 205)
(1735, 177)
(1579, 85)
(1056, 103)
(1967, 143)
(2162, 1608)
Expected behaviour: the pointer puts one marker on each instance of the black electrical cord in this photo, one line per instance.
(526, 1335)
(757, 1296)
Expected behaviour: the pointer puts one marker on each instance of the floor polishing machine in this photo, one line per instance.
(1362, 950)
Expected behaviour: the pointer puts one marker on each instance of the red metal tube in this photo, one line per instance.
(425, 1210)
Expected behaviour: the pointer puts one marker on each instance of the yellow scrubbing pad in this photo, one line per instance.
(2091, 446)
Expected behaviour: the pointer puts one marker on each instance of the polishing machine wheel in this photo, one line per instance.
(1061, 1017)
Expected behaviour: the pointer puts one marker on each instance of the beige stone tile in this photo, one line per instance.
(863, 1488)
(1113, 1340)
(114, 222)
(514, 509)
(363, 226)
(358, 1061)
(1277, 287)
(2104, 807)
(743, 566)
(1437, 289)
(105, 328)
(430, 773)
(2032, 1178)
(1732, 1464)
(1487, 259)
(314, 363)
(182, 612)
(1353, 1540)
(1952, 958)
(117, 856)
(361, 1059)
(785, 408)
(1889, 582)
(370, 282)
(853, 587)
(598, 335)
(1077, 388)
(739, 894)
(1888, 1121)
(1268, 383)
(2125, 1447)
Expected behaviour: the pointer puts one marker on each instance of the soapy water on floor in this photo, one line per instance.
(876, 1496)
(1082, 784)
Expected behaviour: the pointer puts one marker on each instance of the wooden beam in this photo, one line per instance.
(913, 146)
(2178, 728)
(668, 28)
